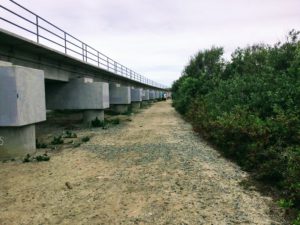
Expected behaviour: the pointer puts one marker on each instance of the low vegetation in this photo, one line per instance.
(38, 158)
(249, 107)
(57, 140)
(85, 139)
(98, 123)
(69, 134)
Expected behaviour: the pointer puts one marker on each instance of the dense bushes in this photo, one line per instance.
(249, 107)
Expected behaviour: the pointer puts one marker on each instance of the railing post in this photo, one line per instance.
(65, 34)
(86, 53)
(98, 59)
(82, 51)
(115, 64)
(107, 60)
(37, 29)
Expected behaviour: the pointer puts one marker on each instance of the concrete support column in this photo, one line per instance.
(136, 98)
(135, 106)
(151, 95)
(16, 142)
(161, 95)
(22, 104)
(92, 114)
(145, 96)
(119, 97)
(157, 95)
(120, 108)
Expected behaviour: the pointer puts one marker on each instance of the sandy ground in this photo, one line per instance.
(151, 170)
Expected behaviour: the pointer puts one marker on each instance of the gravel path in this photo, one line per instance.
(152, 170)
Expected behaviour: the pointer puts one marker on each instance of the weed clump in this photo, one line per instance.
(43, 157)
(40, 145)
(69, 134)
(57, 140)
(97, 123)
(28, 158)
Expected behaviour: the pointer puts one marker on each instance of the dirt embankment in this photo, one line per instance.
(152, 170)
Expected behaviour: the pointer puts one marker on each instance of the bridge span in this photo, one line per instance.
(45, 68)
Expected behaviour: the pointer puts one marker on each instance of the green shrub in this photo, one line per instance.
(249, 108)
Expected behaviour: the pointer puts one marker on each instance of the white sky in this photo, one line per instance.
(157, 38)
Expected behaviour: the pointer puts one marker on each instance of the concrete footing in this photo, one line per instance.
(145, 103)
(16, 142)
(119, 108)
(135, 106)
(90, 115)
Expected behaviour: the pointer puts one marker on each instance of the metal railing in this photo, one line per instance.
(68, 44)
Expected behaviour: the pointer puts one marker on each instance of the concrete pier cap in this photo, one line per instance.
(136, 98)
(161, 94)
(22, 104)
(156, 94)
(79, 94)
(136, 94)
(152, 95)
(145, 96)
(119, 97)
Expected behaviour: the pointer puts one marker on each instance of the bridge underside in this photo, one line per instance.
(35, 78)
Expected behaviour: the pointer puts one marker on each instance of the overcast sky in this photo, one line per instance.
(157, 38)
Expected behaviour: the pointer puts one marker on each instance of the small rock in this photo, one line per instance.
(68, 185)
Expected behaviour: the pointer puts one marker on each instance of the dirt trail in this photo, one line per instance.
(152, 170)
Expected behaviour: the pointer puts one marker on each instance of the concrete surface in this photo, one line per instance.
(119, 94)
(135, 106)
(4, 63)
(136, 94)
(145, 96)
(90, 115)
(156, 94)
(22, 96)
(16, 142)
(77, 94)
(151, 94)
(119, 108)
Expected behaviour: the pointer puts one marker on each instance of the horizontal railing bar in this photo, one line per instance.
(74, 51)
(16, 14)
(80, 47)
(17, 25)
(51, 41)
(51, 32)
